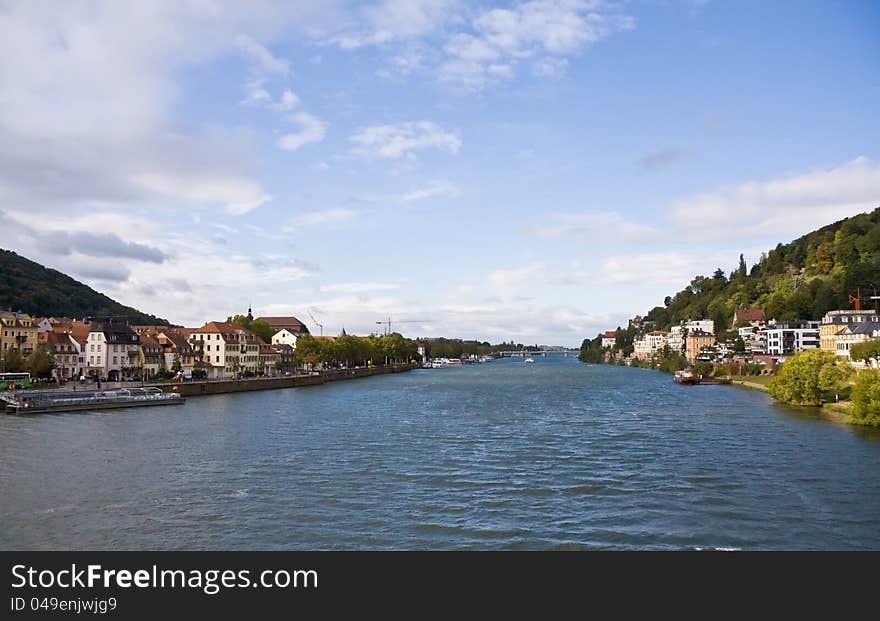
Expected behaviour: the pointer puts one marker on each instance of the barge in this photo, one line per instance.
(48, 401)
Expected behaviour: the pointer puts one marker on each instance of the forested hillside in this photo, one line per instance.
(800, 280)
(38, 290)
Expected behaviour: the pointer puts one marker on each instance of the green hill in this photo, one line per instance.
(803, 279)
(38, 290)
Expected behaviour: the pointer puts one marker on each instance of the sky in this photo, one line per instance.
(535, 171)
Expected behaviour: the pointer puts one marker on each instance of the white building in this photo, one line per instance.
(228, 348)
(609, 339)
(700, 325)
(285, 337)
(649, 344)
(112, 351)
(785, 339)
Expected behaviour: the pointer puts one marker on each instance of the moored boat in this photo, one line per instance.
(686, 377)
(46, 401)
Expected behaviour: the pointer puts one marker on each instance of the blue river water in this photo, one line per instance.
(503, 455)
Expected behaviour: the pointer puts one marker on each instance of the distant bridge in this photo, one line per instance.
(543, 352)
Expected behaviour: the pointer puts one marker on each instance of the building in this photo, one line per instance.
(700, 325)
(68, 360)
(291, 324)
(853, 334)
(649, 344)
(285, 337)
(609, 339)
(228, 349)
(750, 316)
(695, 341)
(835, 321)
(152, 355)
(113, 351)
(270, 359)
(18, 332)
(786, 339)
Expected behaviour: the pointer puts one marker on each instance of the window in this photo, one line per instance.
(115, 360)
(218, 358)
(99, 347)
(92, 347)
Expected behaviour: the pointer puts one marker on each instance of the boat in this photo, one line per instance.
(686, 377)
(714, 380)
(46, 401)
(529, 359)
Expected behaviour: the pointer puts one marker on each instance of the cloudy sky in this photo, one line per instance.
(534, 170)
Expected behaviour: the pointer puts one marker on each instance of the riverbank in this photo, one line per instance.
(198, 388)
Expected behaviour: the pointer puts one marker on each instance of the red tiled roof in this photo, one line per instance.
(610, 334)
(749, 314)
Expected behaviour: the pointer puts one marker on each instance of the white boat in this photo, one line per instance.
(454, 362)
(529, 359)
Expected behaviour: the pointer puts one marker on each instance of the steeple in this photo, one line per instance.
(250, 315)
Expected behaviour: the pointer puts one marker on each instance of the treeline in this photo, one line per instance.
(31, 288)
(801, 280)
(457, 348)
(350, 351)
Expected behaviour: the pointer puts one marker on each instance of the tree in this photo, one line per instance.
(261, 328)
(741, 271)
(175, 364)
(866, 398)
(866, 350)
(14, 361)
(41, 362)
(806, 377)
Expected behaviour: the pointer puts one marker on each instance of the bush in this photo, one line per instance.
(866, 398)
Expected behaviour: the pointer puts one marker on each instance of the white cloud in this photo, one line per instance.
(87, 96)
(433, 190)
(501, 37)
(312, 129)
(264, 59)
(393, 20)
(288, 100)
(784, 207)
(319, 218)
(602, 227)
(550, 67)
(404, 139)
(665, 268)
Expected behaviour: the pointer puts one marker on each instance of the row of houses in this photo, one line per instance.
(768, 341)
(114, 350)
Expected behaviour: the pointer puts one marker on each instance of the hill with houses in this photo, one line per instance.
(800, 281)
(32, 288)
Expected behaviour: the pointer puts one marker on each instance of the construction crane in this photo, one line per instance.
(856, 300)
(387, 323)
(320, 325)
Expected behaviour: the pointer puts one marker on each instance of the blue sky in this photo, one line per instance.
(536, 171)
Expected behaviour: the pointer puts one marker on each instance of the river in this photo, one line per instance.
(504, 455)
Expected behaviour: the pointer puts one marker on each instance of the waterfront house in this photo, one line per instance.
(66, 351)
(152, 359)
(228, 348)
(18, 332)
(113, 350)
(835, 321)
